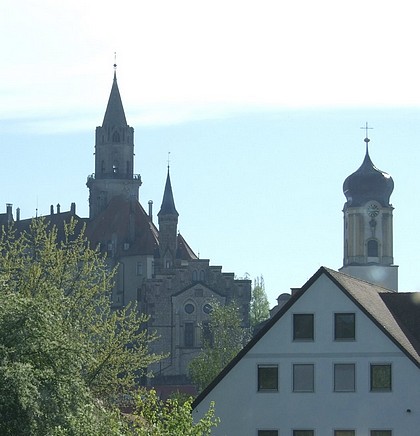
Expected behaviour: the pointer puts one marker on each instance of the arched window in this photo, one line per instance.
(194, 276)
(372, 248)
(202, 276)
(115, 137)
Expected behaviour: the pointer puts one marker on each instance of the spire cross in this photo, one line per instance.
(169, 159)
(115, 61)
(367, 140)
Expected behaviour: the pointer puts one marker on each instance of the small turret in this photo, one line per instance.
(168, 223)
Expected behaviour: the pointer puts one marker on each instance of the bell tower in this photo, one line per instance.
(368, 228)
(114, 157)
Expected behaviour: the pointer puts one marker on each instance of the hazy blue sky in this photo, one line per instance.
(260, 104)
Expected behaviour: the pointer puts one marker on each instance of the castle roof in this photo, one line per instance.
(368, 183)
(114, 114)
(168, 202)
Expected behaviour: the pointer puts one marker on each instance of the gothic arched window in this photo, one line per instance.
(372, 248)
(115, 137)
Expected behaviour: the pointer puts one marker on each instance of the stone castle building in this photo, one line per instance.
(156, 266)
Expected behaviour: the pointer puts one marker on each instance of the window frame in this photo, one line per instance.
(344, 338)
(189, 335)
(270, 432)
(335, 388)
(262, 366)
(312, 432)
(377, 432)
(344, 432)
(297, 336)
(303, 391)
(371, 377)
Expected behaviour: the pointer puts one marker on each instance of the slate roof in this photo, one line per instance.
(125, 221)
(397, 315)
(114, 114)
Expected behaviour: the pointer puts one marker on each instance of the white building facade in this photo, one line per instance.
(334, 361)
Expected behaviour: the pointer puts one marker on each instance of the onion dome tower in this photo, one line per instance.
(368, 228)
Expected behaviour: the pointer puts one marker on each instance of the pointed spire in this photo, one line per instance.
(168, 203)
(114, 114)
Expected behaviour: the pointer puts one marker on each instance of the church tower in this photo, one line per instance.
(114, 158)
(168, 223)
(368, 234)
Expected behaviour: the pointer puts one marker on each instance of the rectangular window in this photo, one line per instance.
(268, 432)
(303, 378)
(344, 433)
(380, 377)
(268, 378)
(189, 335)
(303, 433)
(381, 433)
(344, 326)
(344, 377)
(139, 269)
(303, 327)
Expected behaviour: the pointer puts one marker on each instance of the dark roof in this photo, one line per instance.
(368, 183)
(385, 308)
(57, 220)
(114, 114)
(184, 251)
(127, 221)
(168, 203)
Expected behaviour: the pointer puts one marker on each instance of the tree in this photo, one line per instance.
(65, 356)
(171, 417)
(260, 308)
(223, 338)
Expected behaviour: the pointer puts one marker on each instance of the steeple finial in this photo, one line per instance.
(367, 140)
(115, 64)
(169, 161)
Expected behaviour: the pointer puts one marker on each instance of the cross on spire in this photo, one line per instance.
(367, 140)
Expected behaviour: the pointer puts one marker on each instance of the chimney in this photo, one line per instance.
(73, 208)
(151, 210)
(18, 214)
(51, 210)
(9, 213)
(58, 208)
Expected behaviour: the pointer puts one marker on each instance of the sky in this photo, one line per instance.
(258, 104)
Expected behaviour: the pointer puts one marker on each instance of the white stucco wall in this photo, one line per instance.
(243, 410)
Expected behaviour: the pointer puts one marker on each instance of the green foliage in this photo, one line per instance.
(154, 417)
(223, 340)
(65, 356)
(260, 308)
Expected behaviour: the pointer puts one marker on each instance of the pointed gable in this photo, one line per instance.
(374, 301)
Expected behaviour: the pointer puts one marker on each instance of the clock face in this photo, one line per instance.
(373, 210)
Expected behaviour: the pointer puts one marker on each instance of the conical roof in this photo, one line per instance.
(168, 203)
(368, 183)
(114, 114)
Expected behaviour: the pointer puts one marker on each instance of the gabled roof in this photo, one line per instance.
(127, 221)
(183, 250)
(397, 315)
